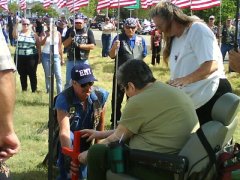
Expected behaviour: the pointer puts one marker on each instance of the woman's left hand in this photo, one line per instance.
(82, 157)
(179, 82)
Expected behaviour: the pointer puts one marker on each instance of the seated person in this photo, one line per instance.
(234, 60)
(157, 118)
(76, 110)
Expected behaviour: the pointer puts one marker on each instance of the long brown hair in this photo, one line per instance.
(169, 12)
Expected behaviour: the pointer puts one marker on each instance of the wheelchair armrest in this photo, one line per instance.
(167, 162)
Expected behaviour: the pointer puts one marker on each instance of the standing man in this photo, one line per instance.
(107, 29)
(227, 37)
(212, 26)
(11, 23)
(76, 110)
(9, 143)
(126, 46)
(79, 42)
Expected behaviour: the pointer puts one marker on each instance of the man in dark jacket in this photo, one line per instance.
(125, 47)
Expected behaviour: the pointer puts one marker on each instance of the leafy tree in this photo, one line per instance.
(41, 11)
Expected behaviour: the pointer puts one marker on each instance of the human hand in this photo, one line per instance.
(82, 157)
(91, 134)
(179, 82)
(76, 44)
(9, 145)
(74, 168)
(47, 33)
(72, 33)
(234, 60)
(116, 44)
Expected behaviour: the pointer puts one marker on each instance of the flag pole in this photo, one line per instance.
(51, 103)
(116, 69)
(74, 26)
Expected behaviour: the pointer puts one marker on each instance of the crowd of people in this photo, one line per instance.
(197, 81)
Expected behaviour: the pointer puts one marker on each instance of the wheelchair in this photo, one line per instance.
(196, 159)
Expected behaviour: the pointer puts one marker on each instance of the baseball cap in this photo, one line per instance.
(79, 18)
(211, 17)
(131, 22)
(82, 73)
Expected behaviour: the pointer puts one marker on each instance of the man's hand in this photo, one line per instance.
(76, 44)
(116, 44)
(9, 145)
(72, 33)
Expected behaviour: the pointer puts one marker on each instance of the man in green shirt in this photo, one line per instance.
(157, 118)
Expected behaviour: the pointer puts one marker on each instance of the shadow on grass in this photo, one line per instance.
(30, 175)
(26, 102)
(40, 173)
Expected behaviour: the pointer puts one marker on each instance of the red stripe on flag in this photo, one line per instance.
(204, 4)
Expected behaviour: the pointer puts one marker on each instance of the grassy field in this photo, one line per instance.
(31, 115)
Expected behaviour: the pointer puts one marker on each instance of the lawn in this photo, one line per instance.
(31, 115)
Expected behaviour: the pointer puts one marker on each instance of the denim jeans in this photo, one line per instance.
(225, 48)
(106, 40)
(69, 66)
(57, 71)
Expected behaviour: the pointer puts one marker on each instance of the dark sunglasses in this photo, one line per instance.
(78, 23)
(127, 27)
(25, 24)
(211, 18)
(87, 84)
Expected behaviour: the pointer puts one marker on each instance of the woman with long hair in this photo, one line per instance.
(194, 57)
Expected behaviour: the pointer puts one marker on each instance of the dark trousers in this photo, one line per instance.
(27, 66)
(98, 164)
(119, 99)
(11, 39)
(156, 54)
(106, 40)
(204, 112)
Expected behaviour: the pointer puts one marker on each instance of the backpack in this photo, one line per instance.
(97, 110)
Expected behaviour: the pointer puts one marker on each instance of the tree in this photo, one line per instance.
(41, 11)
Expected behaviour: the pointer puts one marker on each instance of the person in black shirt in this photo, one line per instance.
(79, 42)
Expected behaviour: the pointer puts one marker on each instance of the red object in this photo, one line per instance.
(73, 153)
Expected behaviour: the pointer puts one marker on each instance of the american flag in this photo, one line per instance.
(146, 3)
(102, 4)
(61, 3)
(182, 3)
(122, 3)
(204, 4)
(23, 4)
(4, 4)
(74, 5)
(46, 3)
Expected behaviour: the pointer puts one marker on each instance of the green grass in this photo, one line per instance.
(31, 115)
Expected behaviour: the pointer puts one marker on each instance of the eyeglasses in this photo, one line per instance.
(211, 18)
(25, 24)
(128, 27)
(86, 84)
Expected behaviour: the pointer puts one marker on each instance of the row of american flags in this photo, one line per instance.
(75, 5)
